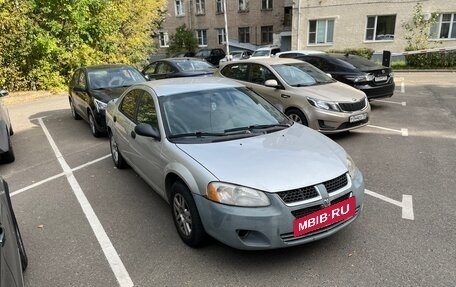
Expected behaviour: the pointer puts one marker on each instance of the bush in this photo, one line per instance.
(445, 59)
(363, 52)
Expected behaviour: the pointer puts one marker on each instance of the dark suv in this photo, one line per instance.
(213, 56)
(374, 80)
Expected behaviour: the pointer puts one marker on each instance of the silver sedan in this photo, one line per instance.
(231, 165)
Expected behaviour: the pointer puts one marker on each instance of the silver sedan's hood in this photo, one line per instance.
(288, 159)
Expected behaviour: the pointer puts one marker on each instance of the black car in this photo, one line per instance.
(92, 87)
(13, 259)
(374, 80)
(6, 131)
(178, 67)
(213, 56)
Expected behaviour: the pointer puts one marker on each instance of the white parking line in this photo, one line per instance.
(110, 252)
(406, 204)
(403, 132)
(391, 102)
(403, 87)
(56, 176)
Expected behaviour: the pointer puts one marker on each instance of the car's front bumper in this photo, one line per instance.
(335, 122)
(272, 226)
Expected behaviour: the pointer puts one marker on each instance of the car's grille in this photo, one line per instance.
(299, 194)
(336, 183)
(308, 210)
(350, 107)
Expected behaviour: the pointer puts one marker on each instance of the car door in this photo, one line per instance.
(147, 151)
(81, 92)
(259, 74)
(10, 264)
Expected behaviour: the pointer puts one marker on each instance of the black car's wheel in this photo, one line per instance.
(74, 114)
(93, 126)
(8, 156)
(117, 158)
(186, 216)
(297, 116)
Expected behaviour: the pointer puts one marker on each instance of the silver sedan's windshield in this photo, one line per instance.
(219, 112)
(301, 74)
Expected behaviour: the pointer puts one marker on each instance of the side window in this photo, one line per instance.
(261, 74)
(150, 70)
(319, 63)
(82, 80)
(146, 111)
(236, 71)
(128, 105)
(74, 80)
(164, 68)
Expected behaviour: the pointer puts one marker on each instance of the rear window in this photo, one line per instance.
(356, 61)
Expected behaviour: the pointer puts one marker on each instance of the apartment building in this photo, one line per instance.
(251, 23)
(375, 24)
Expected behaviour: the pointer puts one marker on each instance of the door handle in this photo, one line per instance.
(133, 134)
(114, 119)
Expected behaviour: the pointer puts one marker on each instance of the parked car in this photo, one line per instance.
(92, 87)
(237, 55)
(266, 52)
(213, 56)
(307, 95)
(13, 258)
(177, 68)
(374, 80)
(183, 54)
(231, 165)
(6, 131)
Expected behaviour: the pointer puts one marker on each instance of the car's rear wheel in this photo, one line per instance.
(74, 114)
(8, 156)
(186, 217)
(93, 126)
(117, 158)
(297, 116)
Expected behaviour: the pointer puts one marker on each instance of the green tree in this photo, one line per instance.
(418, 29)
(183, 40)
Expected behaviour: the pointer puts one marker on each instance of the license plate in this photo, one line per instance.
(381, 79)
(325, 217)
(358, 118)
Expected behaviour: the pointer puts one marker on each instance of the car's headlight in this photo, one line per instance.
(236, 195)
(352, 169)
(324, 105)
(361, 78)
(100, 105)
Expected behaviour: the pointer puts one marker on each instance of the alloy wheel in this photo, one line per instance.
(182, 214)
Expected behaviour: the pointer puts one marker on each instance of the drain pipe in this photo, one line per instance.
(298, 30)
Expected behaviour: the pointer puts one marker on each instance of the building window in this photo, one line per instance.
(266, 4)
(287, 16)
(444, 27)
(199, 7)
(179, 6)
(221, 36)
(164, 39)
(321, 31)
(266, 35)
(202, 37)
(219, 6)
(244, 35)
(243, 5)
(380, 28)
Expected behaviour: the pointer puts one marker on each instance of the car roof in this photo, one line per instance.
(303, 52)
(173, 86)
(267, 61)
(106, 66)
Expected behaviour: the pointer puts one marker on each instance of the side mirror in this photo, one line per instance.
(147, 77)
(272, 83)
(3, 93)
(329, 75)
(147, 130)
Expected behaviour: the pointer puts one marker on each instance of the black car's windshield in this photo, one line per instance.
(301, 74)
(114, 77)
(219, 112)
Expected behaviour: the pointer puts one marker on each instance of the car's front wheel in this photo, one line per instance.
(93, 126)
(297, 116)
(74, 114)
(186, 217)
(117, 158)
(8, 156)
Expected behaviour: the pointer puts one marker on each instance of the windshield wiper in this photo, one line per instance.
(196, 134)
(257, 127)
(303, 85)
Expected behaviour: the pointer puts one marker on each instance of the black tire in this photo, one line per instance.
(8, 156)
(186, 217)
(93, 126)
(116, 156)
(74, 114)
(297, 116)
